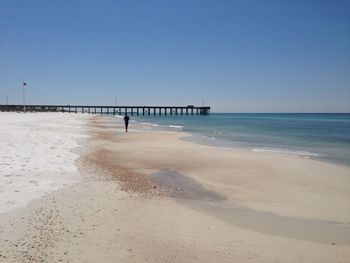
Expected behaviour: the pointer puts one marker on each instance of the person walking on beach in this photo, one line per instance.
(126, 120)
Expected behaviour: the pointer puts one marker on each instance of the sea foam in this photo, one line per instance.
(286, 152)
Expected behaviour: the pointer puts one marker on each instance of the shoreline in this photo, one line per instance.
(215, 139)
(222, 144)
(200, 139)
(149, 196)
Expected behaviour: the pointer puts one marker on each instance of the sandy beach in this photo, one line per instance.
(77, 188)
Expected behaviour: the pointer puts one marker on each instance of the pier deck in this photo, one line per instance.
(115, 110)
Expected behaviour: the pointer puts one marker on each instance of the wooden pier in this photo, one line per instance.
(115, 110)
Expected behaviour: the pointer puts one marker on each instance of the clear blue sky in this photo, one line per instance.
(239, 56)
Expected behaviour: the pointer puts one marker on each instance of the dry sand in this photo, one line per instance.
(148, 196)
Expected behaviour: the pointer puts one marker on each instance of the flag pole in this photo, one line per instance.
(24, 96)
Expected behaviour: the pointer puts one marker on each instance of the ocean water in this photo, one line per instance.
(319, 136)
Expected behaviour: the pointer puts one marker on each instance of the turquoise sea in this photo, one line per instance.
(319, 136)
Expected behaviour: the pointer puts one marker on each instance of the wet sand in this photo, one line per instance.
(150, 196)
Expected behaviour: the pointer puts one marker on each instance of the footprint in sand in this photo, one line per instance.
(33, 182)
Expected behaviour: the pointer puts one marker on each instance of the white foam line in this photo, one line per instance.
(286, 152)
(176, 127)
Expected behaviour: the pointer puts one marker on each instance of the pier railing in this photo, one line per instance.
(115, 110)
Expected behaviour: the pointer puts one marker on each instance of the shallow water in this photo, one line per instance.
(320, 136)
(332, 233)
(182, 186)
(191, 193)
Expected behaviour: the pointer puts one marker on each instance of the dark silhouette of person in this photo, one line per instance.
(126, 120)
